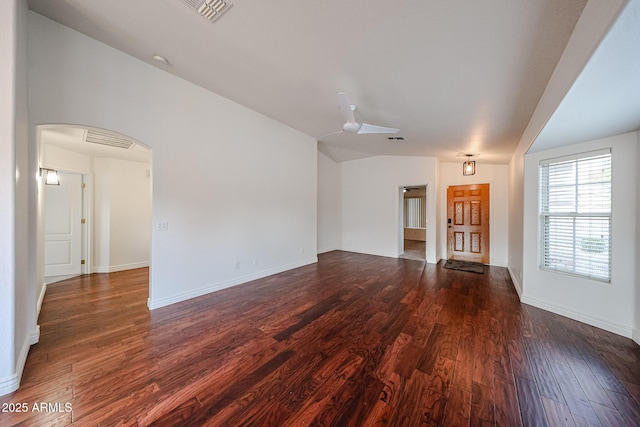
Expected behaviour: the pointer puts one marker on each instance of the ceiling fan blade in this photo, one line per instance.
(329, 134)
(367, 128)
(345, 108)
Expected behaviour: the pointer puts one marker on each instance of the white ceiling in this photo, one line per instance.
(605, 99)
(455, 76)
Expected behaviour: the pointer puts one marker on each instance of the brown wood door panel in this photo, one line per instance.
(468, 222)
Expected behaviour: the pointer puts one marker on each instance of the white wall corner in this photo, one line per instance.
(516, 284)
(328, 249)
(499, 263)
(613, 327)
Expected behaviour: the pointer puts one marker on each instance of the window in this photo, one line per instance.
(414, 215)
(575, 215)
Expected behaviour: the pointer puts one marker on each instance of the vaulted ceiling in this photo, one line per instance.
(455, 76)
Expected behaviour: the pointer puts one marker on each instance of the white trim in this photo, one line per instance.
(370, 252)
(616, 328)
(12, 383)
(122, 267)
(636, 336)
(34, 337)
(328, 249)
(223, 285)
(444, 210)
(41, 298)
(9, 384)
(516, 284)
(429, 201)
(576, 156)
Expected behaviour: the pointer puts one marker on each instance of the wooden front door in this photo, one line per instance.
(468, 223)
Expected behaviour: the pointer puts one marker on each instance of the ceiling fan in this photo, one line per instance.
(351, 125)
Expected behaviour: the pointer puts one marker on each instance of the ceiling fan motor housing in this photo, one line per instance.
(351, 127)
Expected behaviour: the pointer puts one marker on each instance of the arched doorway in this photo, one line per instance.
(105, 225)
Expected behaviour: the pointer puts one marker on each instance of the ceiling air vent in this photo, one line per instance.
(210, 9)
(102, 138)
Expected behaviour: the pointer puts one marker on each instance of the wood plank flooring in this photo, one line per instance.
(354, 340)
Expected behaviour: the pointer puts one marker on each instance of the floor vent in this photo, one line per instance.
(210, 9)
(102, 138)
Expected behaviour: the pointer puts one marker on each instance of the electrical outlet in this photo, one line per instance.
(237, 265)
(162, 226)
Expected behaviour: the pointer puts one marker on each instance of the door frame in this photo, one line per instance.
(444, 211)
(84, 212)
(400, 218)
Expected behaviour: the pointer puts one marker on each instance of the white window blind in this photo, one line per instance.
(414, 214)
(575, 215)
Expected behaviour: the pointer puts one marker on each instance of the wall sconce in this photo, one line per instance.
(469, 167)
(50, 176)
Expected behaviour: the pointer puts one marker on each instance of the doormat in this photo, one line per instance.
(471, 267)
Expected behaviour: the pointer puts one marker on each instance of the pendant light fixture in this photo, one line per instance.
(469, 167)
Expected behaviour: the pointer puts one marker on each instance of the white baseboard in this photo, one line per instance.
(369, 252)
(516, 283)
(327, 249)
(636, 336)
(41, 298)
(12, 383)
(612, 327)
(34, 336)
(153, 304)
(122, 267)
(9, 384)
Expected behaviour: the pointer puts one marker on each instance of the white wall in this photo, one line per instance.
(100, 260)
(121, 214)
(636, 332)
(205, 148)
(371, 202)
(498, 178)
(515, 222)
(17, 315)
(609, 306)
(26, 331)
(329, 204)
(594, 23)
(8, 36)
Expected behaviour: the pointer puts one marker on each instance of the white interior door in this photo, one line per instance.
(63, 232)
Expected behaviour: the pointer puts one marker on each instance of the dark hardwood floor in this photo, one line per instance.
(355, 340)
